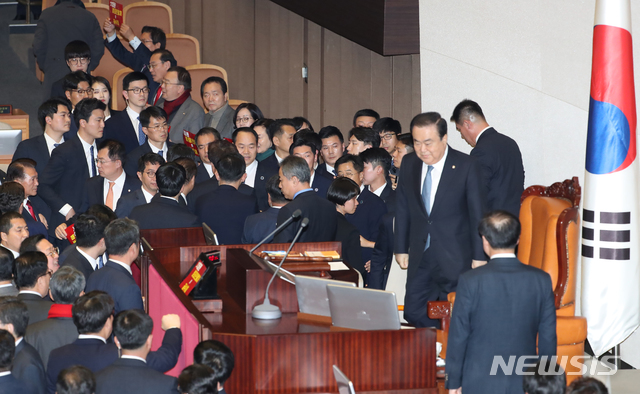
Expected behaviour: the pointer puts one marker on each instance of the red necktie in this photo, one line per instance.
(158, 94)
(30, 208)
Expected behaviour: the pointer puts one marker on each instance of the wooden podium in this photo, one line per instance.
(288, 355)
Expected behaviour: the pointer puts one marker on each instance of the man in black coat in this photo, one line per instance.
(503, 296)
(35, 212)
(153, 121)
(8, 382)
(498, 155)
(87, 254)
(147, 166)
(259, 225)
(32, 278)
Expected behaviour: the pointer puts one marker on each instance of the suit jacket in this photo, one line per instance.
(34, 148)
(189, 116)
(97, 355)
(131, 161)
(349, 235)
(266, 169)
(10, 385)
(202, 174)
(259, 225)
(382, 254)
(58, 26)
(388, 195)
(321, 184)
(322, 169)
(502, 170)
(130, 201)
(28, 368)
(163, 212)
(226, 125)
(94, 190)
(120, 128)
(9, 290)
(133, 376)
(50, 334)
(455, 213)
(321, 214)
(39, 207)
(209, 186)
(367, 218)
(37, 306)
(78, 261)
(118, 282)
(225, 211)
(503, 293)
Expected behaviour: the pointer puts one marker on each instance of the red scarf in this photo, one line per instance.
(60, 310)
(170, 106)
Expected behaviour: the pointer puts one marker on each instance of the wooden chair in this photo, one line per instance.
(185, 48)
(200, 72)
(101, 11)
(148, 13)
(234, 103)
(117, 100)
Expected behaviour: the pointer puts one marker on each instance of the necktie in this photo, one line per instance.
(141, 136)
(158, 94)
(100, 263)
(31, 212)
(55, 145)
(426, 199)
(93, 162)
(160, 153)
(109, 200)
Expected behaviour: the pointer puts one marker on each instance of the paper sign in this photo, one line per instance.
(190, 140)
(115, 13)
(71, 234)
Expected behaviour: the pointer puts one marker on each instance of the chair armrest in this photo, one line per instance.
(571, 329)
(440, 310)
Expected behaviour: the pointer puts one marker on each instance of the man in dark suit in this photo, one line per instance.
(72, 163)
(439, 203)
(215, 100)
(27, 365)
(164, 210)
(39, 243)
(78, 57)
(308, 150)
(35, 211)
(498, 155)
(382, 254)
(377, 163)
(153, 121)
(182, 112)
(226, 209)
(77, 87)
(58, 329)
(77, 380)
(259, 225)
(294, 182)
(32, 279)
(87, 255)
(13, 231)
(218, 357)
(122, 238)
(130, 373)
(8, 382)
(161, 61)
(503, 293)
(7, 287)
(93, 316)
(204, 137)
(332, 148)
(54, 116)
(125, 126)
(148, 165)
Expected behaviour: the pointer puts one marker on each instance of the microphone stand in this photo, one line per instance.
(296, 214)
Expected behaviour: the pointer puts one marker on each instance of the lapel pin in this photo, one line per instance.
(453, 167)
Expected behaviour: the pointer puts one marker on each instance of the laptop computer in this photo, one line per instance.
(363, 309)
(312, 294)
(9, 140)
(210, 237)
(345, 386)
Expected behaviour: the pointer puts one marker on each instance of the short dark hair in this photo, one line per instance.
(253, 109)
(180, 150)
(427, 119)
(115, 150)
(303, 142)
(7, 350)
(264, 122)
(102, 212)
(465, 109)
(587, 385)
(49, 108)
(5, 221)
(120, 234)
(310, 137)
(76, 380)
(220, 148)
(342, 189)
(197, 379)
(231, 167)
(31, 244)
(11, 197)
(244, 130)
(365, 112)
(132, 328)
(330, 131)
(217, 356)
(273, 190)
(165, 56)
(157, 35)
(356, 161)
(298, 121)
(407, 140)
(546, 377)
(89, 230)
(184, 78)
(66, 285)
(149, 158)
(84, 109)
(207, 131)
(133, 77)
(275, 130)
(151, 112)
(6, 264)
(218, 80)
(190, 167)
(366, 135)
(501, 229)
(387, 124)
(72, 80)
(30, 266)
(14, 311)
(377, 157)
(170, 178)
(77, 48)
(91, 311)
(296, 166)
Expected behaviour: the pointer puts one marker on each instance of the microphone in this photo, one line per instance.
(296, 214)
(266, 311)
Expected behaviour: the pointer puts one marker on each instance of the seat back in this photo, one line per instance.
(235, 103)
(148, 13)
(101, 11)
(185, 48)
(109, 65)
(200, 72)
(117, 100)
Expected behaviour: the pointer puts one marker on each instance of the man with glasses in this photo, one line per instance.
(32, 279)
(125, 126)
(182, 112)
(153, 121)
(78, 56)
(38, 243)
(148, 164)
(388, 129)
(161, 61)
(35, 211)
(77, 86)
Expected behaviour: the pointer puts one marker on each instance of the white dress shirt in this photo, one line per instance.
(147, 196)
(122, 264)
(164, 149)
(91, 260)
(379, 190)
(251, 173)
(436, 174)
(51, 142)
(133, 115)
(117, 188)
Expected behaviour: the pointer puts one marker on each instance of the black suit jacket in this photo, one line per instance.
(34, 148)
(209, 186)
(9, 385)
(37, 306)
(322, 170)
(78, 261)
(119, 283)
(97, 355)
(382, 254)
(130, 201)
(131, 161)
(94, 190)
(133, 376)
(321, 214)
(225, 210)
(39, 207)
(163, 212)
(349, 235)
(50, 334)
(266, 169)
(120, 128)
(259, 225)
(388, 195)
(455, 213)
(321, 184)
(507, 294)
(367, 218)
(28, 368)
(502, 170)
(202, 174)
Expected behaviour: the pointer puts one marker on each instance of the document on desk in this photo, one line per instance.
(338, 266)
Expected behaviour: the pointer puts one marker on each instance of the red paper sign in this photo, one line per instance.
(71, 234)
(190, 140)
(115, 13)
(194, 277)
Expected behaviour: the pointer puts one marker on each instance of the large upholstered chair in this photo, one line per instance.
(148, 13)
(200, 72)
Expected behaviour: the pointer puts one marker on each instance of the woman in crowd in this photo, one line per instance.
(246, 114)
(102, 91)
(261, 127)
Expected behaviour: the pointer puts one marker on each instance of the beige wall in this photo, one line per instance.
(263, 47)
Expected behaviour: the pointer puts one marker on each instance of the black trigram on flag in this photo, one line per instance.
(614, 227)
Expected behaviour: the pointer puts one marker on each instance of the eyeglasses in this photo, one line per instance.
(138, 90)
(166, 83)
(81, 60)
(159, 127)
(244, 119)
(150, 174)
(102, 162)
(83, 92)
(154, 65)
(53, 252)
(388, 136)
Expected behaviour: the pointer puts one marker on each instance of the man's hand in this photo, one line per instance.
(170, 321)
(365, 243)
(43, 220)
(477, 263)
(109, 28)
(126, 32)
(367, 266)
(456, 391)
(403, 260)
(60, 231)
(70, 214)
